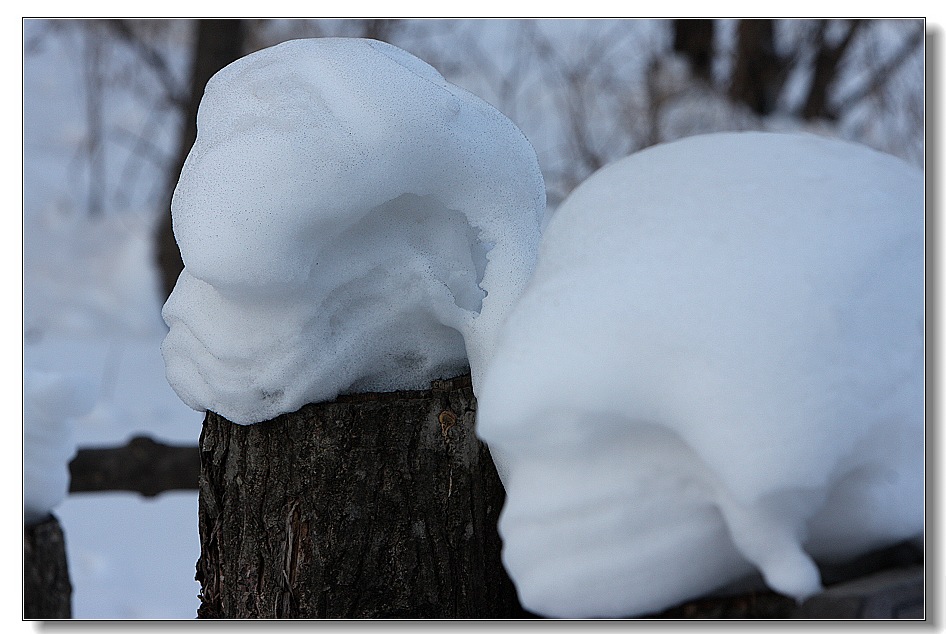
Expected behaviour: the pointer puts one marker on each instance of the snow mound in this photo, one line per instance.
(50, 401)
(349, 221)
(717, 367)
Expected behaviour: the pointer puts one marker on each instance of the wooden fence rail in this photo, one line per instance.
(888, 583)
(142, 466)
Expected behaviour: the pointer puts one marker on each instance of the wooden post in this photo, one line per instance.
(47, 591)
(371, 506)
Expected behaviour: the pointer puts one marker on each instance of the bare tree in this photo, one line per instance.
(755, 78)
(586, 92)
(827, 65)
(92, 58)
(693, 38)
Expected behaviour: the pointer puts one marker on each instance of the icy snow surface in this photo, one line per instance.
(349, 221)
(717, 367)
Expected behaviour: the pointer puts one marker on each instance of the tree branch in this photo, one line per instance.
(883, 73)
(827, 63)
(153, 59)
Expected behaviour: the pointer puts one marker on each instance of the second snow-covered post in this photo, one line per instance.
(354, 229)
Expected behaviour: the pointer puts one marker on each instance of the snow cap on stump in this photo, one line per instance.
(349, 221)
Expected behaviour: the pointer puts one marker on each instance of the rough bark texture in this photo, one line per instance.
(372, 506)
(47, 591)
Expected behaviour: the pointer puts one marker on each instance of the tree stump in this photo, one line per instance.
(371, 506)
(47, 591)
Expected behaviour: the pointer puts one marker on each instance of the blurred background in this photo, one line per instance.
(109, 116)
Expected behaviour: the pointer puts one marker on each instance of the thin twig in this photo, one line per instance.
(883, 73)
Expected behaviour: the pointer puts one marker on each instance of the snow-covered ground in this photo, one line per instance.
(129, 557)
(92, 311)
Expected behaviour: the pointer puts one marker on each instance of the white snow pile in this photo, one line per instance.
(349, 221)
(50, 401)
(716, 368)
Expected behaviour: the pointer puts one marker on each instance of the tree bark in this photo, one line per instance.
(371, 506)
(47, 591)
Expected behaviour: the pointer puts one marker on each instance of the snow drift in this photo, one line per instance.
(349, 221)
(717, 367)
